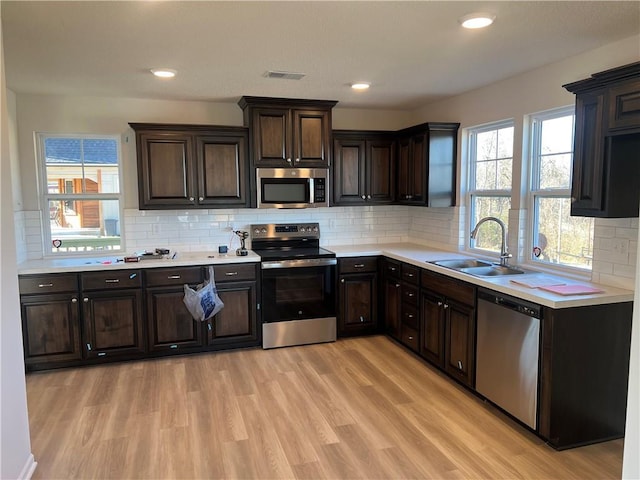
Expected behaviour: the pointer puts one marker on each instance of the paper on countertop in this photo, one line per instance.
(538, 281)
(574, 289)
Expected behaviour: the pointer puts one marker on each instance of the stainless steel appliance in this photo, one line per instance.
(292, 187)
(298, 284)
(508, 342)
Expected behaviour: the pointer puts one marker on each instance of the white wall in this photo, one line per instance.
(16, 460)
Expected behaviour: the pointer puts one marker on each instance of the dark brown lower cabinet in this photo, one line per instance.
(448, 317)
(51, 328)
(358, 296)
(392, 298)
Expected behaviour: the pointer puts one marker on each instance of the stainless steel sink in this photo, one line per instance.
(491, 271)
(460, 263)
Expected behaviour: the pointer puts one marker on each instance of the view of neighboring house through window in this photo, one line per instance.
(556, 237)
(81, 196)
(490, 161)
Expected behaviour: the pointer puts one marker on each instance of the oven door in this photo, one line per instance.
(298, 289)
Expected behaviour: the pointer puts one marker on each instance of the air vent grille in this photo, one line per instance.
(284, 75)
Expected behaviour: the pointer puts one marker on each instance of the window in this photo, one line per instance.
(490, 161)
(555, 236)
(80, 193)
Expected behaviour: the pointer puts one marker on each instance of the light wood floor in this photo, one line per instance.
(357, 408)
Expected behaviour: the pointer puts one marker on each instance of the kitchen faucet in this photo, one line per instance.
(504, 255)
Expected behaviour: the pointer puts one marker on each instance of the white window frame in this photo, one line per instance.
(534, 191)
(44, 196)
(472, 191)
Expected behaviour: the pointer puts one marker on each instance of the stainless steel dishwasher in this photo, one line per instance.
(508, 344)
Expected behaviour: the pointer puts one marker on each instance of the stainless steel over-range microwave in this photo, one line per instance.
(292, 187)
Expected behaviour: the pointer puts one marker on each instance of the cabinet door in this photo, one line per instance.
(380, 171)
(222, 174)
(417, 170)
(50, 328)
(113, 323)
(170, 325)
(587, 196)
(442, 152)
(165, 170)
(392, 307)
(311, 134)
(433, 319)
(460, 342)
(271, 137)
(624, 107)
(237, 321)
(404, 152)
(349, 171)
(358, 303)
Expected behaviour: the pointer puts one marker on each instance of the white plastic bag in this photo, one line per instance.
(203, 302)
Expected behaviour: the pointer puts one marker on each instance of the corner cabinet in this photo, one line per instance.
(288, 132)
(358, 296)
(364, 168)
(606, 171)
(427, 159)
(191, 166)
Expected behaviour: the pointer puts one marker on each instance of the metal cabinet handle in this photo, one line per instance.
(288, 160)
(231, 274)
(359, 265)
(439, 304)
(361, 318)
(201, 198)
(410, 275)
(342, 280)
(191, 199)
(459, 364)
(446, 306)
(297, 160)
(74, 300)
(110, 280)
(409, 315)
(409, 294)
(174, 277)
(393, 269)
(45, 285)
(86, 300)
(410, 337)
(89, 346)
(102, 354)
(397, 285)
(364, 197)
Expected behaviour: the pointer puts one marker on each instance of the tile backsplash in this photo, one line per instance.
(614, 254)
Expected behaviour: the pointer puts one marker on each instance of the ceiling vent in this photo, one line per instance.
(284, 75)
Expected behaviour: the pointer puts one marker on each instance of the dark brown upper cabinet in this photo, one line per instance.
(364, 168)
(606, 164)
(191, 166)
(288, 132)
(427, 159)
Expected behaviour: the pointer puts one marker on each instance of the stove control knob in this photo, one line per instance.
(264, 230)
(302, 229)
(256, 231)
(315, 229)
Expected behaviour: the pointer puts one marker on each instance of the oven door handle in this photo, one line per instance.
(299, 263)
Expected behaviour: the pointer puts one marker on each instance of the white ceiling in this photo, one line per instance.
(412, 52)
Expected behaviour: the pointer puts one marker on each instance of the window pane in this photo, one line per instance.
(486, 175)
(559, 237)
(490, 234)
(505, 142)
(557, 135)
(487, 145)
(84, 225)
(555, 171)
(81, 165)
(503, 180)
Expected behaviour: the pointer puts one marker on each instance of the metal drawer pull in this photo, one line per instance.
(231, 274)
(86, 299)
(44, 285)
(410, 338)
(173, 346)
(446, 306)
(409, 274)
(409, 294)
(174, 277)
(409, 315)
(109, 280)
(361, 318)
(459, 364)
(359, 265)
(397, 285)
(102, 354)
(439, 304)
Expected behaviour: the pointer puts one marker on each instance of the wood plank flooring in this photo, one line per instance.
(356, 408)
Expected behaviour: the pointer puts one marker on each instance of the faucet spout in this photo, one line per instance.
(504, 254)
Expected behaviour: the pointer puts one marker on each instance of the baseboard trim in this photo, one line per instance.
(29, 468)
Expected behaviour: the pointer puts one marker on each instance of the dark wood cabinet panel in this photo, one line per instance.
(50, 283)
(427, 159)
(238, 320)
(606, 173)
(50, 328)
(288, 132)
(392, 307)
(433, 319)
(460, 342)
(113, 323)
(191, 166)
(358, 295)
(170, 325)
(364, 168)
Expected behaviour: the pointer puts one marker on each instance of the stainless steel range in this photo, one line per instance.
(298, 284)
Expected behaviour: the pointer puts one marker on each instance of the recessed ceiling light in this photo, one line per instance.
(360, 85)
(164, 72)
(477, 20)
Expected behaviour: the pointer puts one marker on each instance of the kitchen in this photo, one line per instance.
(340, 225)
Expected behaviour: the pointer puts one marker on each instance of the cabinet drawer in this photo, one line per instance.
(410, 274)
(391, 268)
(409, 336)
(174, 276)
(358, 264)
(448, 287)
(410, 294)
(109, 280)
(52, 283)
(234, 272)
(410, 316)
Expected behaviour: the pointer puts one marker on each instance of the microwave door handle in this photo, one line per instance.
(312, 192)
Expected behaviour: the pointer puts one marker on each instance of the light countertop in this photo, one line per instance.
(62, 265)
(420, 255)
